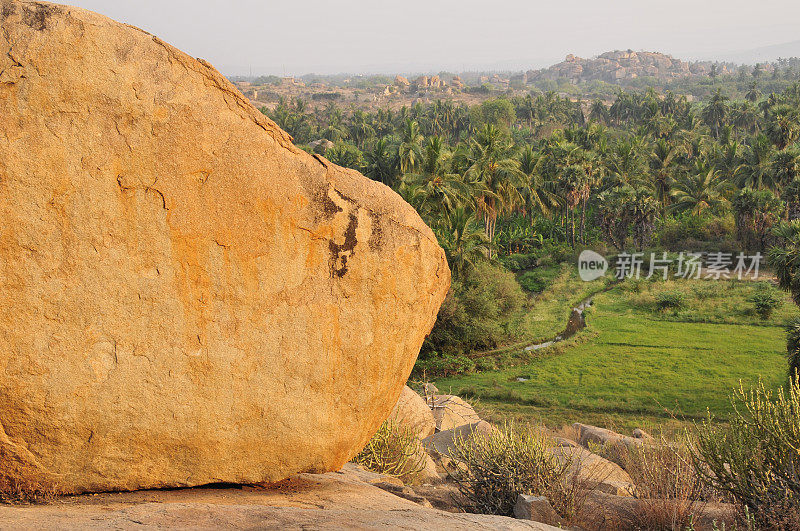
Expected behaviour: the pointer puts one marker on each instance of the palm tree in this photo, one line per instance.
(663, 159)
(745, 116)
(786, 167)
(642, 209)
(756, 170)
(700, 192)
(527, 110)
(598, 112)
(434, 191)
(463, 240)
(576, 184)
(434, 156)
(360, 130)
(715, 112)
(785, 259)
(494, 175)
(536, 196)
(381, 164)
(625, 162)
(410, 149)
(783, 127)
(753, 94)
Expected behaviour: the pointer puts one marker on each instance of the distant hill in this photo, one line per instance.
(763, 54)
(620, 65)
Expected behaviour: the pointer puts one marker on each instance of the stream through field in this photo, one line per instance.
(576, 322)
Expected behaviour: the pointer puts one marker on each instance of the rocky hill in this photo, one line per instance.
(624, 65)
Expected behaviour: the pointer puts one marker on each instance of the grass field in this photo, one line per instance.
(636, 366)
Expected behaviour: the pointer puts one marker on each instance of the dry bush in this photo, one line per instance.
(756, 460)
(669, 489)
(566, 431)
(666, 482)
(22, 491)
(493, 469)
(395, 451)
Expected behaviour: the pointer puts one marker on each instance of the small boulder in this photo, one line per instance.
(411, 412)
(594, 471)
(428, 475)
(451, 412)
(404, 492)
(321, 146)
(593, 435)
(442, 443)
(535, 508)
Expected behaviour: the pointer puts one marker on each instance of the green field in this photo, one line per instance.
(635, 365)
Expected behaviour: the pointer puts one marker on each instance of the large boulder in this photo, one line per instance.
(185, 296)
(411, 412)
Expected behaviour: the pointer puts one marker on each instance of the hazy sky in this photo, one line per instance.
(365, 36)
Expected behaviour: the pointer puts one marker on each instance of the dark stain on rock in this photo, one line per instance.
(8, 10)
(329, 208)
(36, 15)
(319, 195)
(341, 253)
(376, 237)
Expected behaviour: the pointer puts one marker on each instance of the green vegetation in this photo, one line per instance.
(516, 186)
(755, 459)
(525, 182)
(496, 467)
(670, 300)
(395, 451)
(495, 308)
(765, 300)
(636, 364)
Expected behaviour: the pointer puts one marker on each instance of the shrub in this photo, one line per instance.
(483, 309)
(435, 365)
(698, 233)
(633, 285)
(705, 291)
(494, 468)
(520, 261)
(756, 459)
(25, 491)
(766, 299)
(394, 451)
(670, 300)
(532, 281)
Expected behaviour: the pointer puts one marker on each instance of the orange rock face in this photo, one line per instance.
(185, 296)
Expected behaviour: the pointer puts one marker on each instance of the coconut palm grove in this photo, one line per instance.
(517, 185)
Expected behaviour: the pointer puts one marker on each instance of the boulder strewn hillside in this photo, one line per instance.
(623, 65)
(185, 296)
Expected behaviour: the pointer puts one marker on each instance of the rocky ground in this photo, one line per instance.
(357, 498)
(346, 499)
(612, 496)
